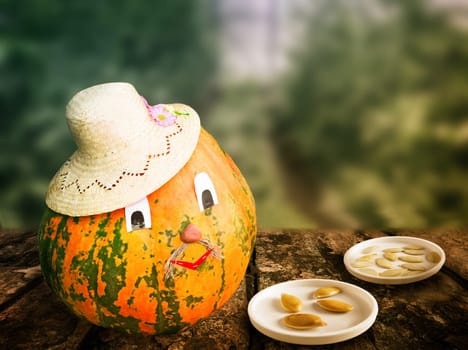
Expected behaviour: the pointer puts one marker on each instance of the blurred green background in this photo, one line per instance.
(347, 113)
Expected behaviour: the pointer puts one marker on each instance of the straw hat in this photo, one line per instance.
(126, 149)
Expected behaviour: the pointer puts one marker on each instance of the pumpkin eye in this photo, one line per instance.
(205, 191)
(138, 215)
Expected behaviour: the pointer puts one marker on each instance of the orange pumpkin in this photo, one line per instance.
(164, 278)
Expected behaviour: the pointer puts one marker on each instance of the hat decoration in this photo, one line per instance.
(126, 150)
(164, 115)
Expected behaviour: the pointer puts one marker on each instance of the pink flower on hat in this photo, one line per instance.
(162, 114)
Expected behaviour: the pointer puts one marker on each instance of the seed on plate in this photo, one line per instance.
(303, 321)
(410, 273)
(290, 303)
(392, 250)
(367, 257)
(433, 257)
(334, 305)
(414, 251)
(392, 273)
(370, 249)
(390, 256)
(413, 247)
(413, 267)
(325, 292)
(359, 264)
(410, 258)
(369, 271)
(382, 262)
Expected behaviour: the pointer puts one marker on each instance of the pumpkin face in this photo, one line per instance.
(161, 269)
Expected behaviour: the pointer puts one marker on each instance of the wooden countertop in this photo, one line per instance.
(430, 314)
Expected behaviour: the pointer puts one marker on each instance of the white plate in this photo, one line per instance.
(266, 313)
(358, 250)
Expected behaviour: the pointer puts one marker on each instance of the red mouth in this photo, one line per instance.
(193, 265)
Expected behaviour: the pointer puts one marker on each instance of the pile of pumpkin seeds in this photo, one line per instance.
(298, 320)
(402, 261)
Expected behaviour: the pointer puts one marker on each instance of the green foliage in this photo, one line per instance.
(50, 49)
(371, 127)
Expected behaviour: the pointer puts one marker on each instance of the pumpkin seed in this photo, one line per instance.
(392, 250)
(413, 247)
(367, 257)
(410, 258)
(413, 251)
(334, 305)
(413, 267)
(303, 321)
(410, 273)
(370, 249)
(382, 262)
(369, 271)
(433, 257)
(359, 264)
(390, 256)
(290, 303)
(392, 272)
(325, 292)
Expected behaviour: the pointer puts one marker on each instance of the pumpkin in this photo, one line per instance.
(156, 280)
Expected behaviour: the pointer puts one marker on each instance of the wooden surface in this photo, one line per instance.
(430, 314)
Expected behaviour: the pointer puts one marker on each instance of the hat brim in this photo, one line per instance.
(88, 185)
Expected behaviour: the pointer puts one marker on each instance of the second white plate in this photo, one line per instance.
(266, 313)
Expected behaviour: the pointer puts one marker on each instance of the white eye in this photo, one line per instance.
(138, 215)
(205, 191)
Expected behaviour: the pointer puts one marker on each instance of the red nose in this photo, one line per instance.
(191, 234)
